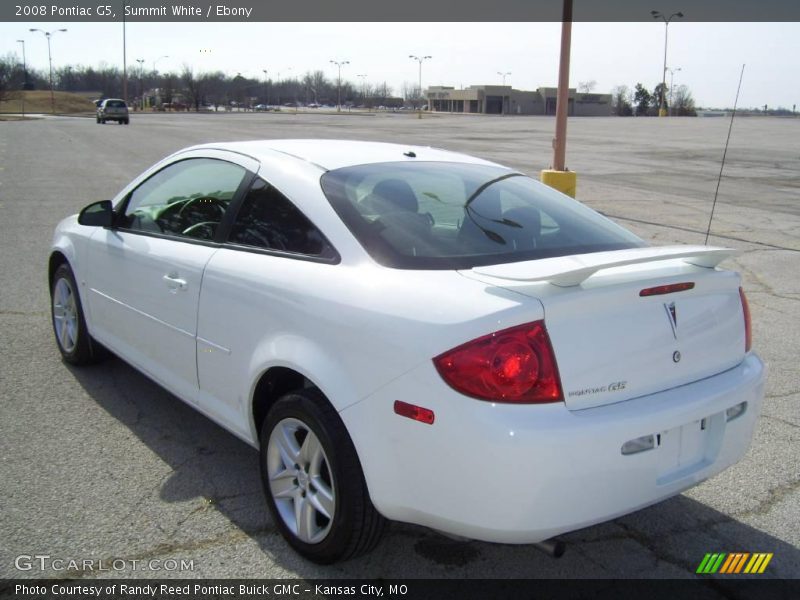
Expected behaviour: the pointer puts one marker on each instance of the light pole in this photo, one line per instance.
(266, 87)
(420, 60)
(671, 78)
(48, 35)
(124, 55)
(141, 86)
(503, 75)
(339, 64)
(24, 76)
(658, 15)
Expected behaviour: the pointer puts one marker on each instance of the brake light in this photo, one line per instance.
(667, 289)
(748, 332)
(515, 365)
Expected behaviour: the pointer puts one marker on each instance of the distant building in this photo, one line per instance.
(503, 99)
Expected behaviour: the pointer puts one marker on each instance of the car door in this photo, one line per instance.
(145, 273)
(253, 288)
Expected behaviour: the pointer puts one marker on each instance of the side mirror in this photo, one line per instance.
(97, 214)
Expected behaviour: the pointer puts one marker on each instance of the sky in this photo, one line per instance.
(709, 55)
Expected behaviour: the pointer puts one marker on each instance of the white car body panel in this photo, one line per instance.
(365, 335)
(506, 473)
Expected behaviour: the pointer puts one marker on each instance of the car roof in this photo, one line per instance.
(335, 154)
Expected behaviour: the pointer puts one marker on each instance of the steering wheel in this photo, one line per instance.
(204, 230)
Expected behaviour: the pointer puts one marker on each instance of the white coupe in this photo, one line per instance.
(413, 334)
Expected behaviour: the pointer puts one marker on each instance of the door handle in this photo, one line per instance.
(174, 282)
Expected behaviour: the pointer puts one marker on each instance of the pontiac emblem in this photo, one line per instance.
(672, 315)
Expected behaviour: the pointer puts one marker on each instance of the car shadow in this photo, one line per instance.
(215, 469)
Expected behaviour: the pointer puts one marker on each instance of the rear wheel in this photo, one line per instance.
(313, 482)
(127, 121)
(69, 326)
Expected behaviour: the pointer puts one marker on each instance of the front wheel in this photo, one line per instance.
(313, 481)
(69, 325)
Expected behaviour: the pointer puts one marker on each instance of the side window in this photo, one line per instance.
(267, 219)
(186, 199)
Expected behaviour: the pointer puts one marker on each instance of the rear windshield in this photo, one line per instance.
(440, 215)
(115, 104)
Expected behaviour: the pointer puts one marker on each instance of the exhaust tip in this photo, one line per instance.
(553, 547)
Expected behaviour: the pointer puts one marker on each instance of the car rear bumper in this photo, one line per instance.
(524, 473)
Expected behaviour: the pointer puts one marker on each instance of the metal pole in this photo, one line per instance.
(141, 85)
(50, 60)
(24, 77)
(48, 35)
(662, 112)
(124, 57)
(664, 72)
(562, 102)
(671, 86)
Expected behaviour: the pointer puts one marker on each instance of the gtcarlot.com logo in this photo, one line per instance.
(734, 563)
(45, 562)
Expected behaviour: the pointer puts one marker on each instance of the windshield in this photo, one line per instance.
(440, 215)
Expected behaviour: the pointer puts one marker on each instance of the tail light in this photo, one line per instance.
(748, 332)
(515, 365)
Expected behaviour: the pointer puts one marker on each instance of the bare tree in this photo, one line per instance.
(622, 101)
(586, 87)
(682, 102)
(193, 86)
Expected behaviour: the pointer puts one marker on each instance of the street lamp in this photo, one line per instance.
(339, 64)
(266, 87)
(658, 15)
(420, 60)
(48, 35)
(671, 77)
(504, 75)
(24, 76)
(141, 86)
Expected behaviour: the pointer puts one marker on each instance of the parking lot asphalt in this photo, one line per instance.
(100, 463)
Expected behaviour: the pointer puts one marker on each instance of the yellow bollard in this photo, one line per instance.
(563, 181)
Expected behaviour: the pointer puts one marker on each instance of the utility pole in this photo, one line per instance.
(557, 176)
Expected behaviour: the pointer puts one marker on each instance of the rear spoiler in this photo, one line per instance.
(566, 271)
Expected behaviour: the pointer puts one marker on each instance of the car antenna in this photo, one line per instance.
(724, 154)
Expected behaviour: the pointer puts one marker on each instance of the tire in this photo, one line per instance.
(69, 326)
(98, 120)
(307, 457)
(127, 121)
(103, 121)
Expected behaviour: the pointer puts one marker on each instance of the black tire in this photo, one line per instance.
(127, 121)
(103, 121)
(78, 348)
(356, 526)
(98, 120)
